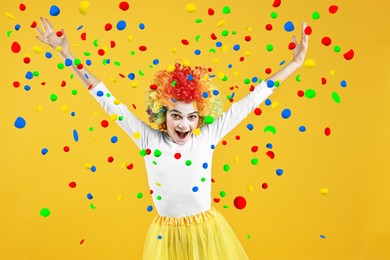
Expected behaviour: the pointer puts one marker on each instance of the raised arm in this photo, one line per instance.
(59, 42)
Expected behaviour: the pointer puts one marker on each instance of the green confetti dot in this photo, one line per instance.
(225, 206)
(212, 50)
(95, 43)
(142, 152)
(74, 92)
(336, 97)
(53, 97)
(208, 120)
(36, 73)
(298, 78)
(315, 15)
(141, 73)
(255, 161)
(120, 118)
(158, 197)
(274, 15)
(222, 194)
(132, 53)
(276, 84)
(90, 129)
(92, 206)
(87, 54)
(61, 66)
(225, 78)
(269, 47)
(154, 162)
(77, 62)
(117, 63)
(270, 128)
(248, 237)
(197, 38)
(203, 179)
(234, 32)
(337, 48)
(198, 21)
(247, 81)
(225, 33)
(45, 212)
(310, 93)
(226, 167)
(188, 162)
(139, 195)
(226, 10)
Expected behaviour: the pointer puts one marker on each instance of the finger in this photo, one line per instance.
(39, 31)
(46, 26)
(294, 39)
(42, 40)
(50, 25)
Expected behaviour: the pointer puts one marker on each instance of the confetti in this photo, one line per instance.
(349, 54)
(289, 26)
(286, 113)
(45, 212)
(20, 122)
(124, 6)
(190, 8)
(239, 202)
(15, 47)
(54, 10)
(309, 63)
(333, 9)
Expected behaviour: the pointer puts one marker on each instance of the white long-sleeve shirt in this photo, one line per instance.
(181, 187)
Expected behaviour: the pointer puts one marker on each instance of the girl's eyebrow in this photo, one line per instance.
(177, 111)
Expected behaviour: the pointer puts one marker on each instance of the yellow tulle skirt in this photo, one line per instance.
(199, 237)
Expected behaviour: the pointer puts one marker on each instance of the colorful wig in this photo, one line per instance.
(181, 83)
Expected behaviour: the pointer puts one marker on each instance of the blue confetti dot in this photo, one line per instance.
(215, 92)
(322, 236)
(54, 10)
(27, 88)
(156, 62)
(255, 79)
(230, 66)
(190, 77)
(93, 169)
(218, 44)
(270, 83)
(205, 95)
(75, 135)
(20, 122)
(197, 52)
(282, 62)
(205, 165)
(212, 146)
(269, 146)
(68, 62)
(48, 55)
(279, 172)
(88, 62)
(29, 75)
(286, 113)
(289, 26)
(142, 26)
(17, 27)
(107, 61)
(250, 127)
(99, 93)
(195, 189)
(236, 47)
(131, 76)
(302, 128)
(268, 102)
(73, 114)
(89, 196)
(114, 139)
(159, 237)
(121, 25)
(80, 27)
(44, 151)
(149, 208)
(343, 83)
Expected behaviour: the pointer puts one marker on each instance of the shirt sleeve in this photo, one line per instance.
(236, 113)
(139, 132)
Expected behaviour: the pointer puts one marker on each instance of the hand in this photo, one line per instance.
(300, 48)
(49, 37)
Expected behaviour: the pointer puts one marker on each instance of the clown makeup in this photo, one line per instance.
(181, 120)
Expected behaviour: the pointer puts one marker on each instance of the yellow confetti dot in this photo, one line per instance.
(119, 197)
(332, 73)
(117, 102)
(65, 108)
(37, 49)
(190, 8)
(186, 62)
(136, 135)
(123, 165)
(236, 158)
(250, 188)
(247, 53)
(225, 48)
(197, 131)
(248, 28)
(220, 75)
(59, 48)
(130, 38)
(309, 63)
(88, 166)
(220, 23)
(275, 104)
(39, 108)
(83, 7)
(158, 184)
(113, 80)
(171, 68)
(174, 50)
(215, 60)
(113, 117)
(324, 191)
(10, 16)
(236, 73)
(133, 84)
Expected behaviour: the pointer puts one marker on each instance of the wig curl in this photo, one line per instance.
(181, 83)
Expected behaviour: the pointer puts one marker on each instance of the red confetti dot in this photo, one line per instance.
(238, 137)
(43, 83)
(248, 38)
(80, 66)
(101, 52)
(185, 42)
(33, 24)
(349, 55)
(177, 156)
(108, 27)
(148, 151)
(63, 83)
(276, 3)
(150, 191)
(142, 48)
(252, 88)
(292, 45)
(22, 7)
(153, 87)
(308, 30)
(224, 142)
(242, 58)
(257, 111)
(254, 149)
(212, 180)
(327, 131)
(104, 123)
(130, 166)
(270, 154)
(268, 27)
(110, 159)
(66, 149)
(26, 60)
(240, 202)
(83, 36)
(59, 34)
(82, 241)
(124, 6)
(216, 200)
(213, 36)
(300, 93)
(16, 84)
(264, 185)
(122, 76)
(112, 44)
(72, 184)
(210, 11)
(268, 71)
(326, 41)
(323, 81)
(333, 9)
(15, 47)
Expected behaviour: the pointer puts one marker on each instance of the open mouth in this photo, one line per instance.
(182, 135)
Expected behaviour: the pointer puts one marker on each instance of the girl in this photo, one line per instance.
(178, 156)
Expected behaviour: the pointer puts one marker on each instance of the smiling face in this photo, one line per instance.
(181, 120)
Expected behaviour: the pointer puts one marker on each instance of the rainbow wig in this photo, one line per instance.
(181, 83)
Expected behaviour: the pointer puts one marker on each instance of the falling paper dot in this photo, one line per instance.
(240, 202)
(15, 47)
(124, 6)
(45, 212)
(54, 10)
(289, 26)
(286, 113)
(349, 55)
(83, 7)
(190, 8)
(20, 123)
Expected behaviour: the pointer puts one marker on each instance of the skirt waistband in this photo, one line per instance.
(187, 220)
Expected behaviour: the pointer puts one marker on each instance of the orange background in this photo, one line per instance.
(284, 221)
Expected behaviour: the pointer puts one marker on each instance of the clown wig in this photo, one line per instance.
(181, 83)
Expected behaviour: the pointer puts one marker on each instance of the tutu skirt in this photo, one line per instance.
(199, 237)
